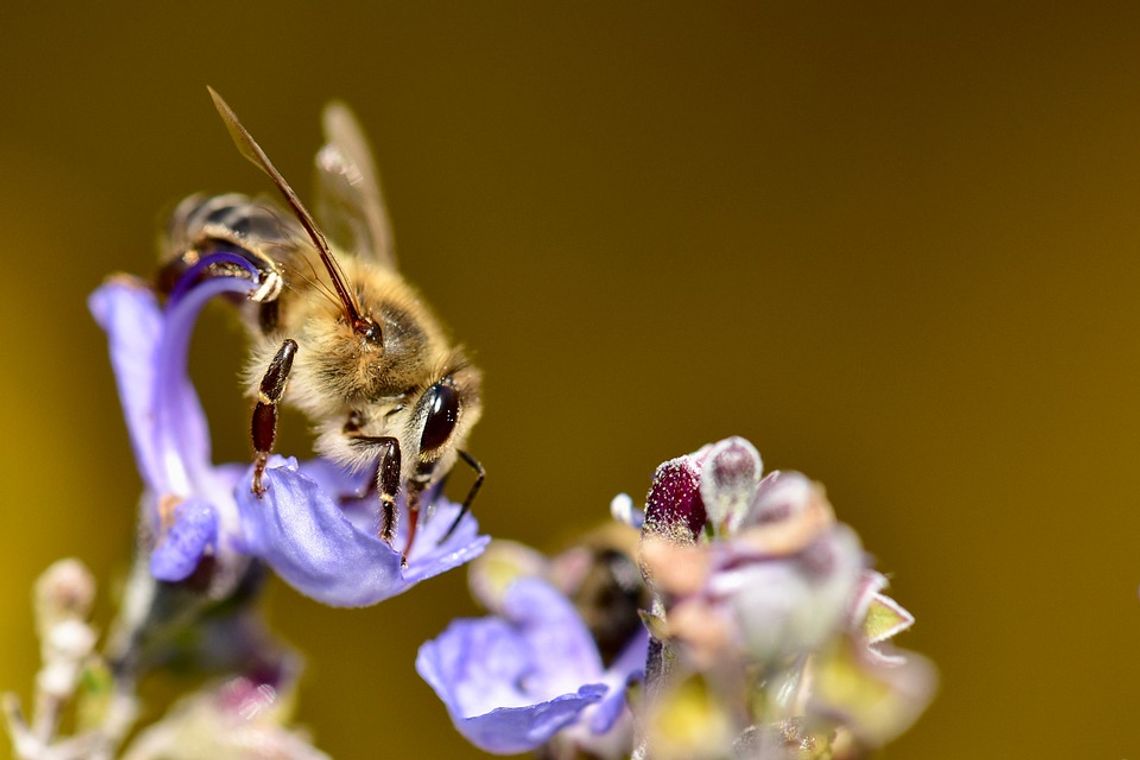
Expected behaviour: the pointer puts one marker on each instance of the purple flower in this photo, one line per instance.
(514, 681)
(316, 525)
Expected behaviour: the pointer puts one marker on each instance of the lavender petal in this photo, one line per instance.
(302, 532)
(129, 314)
(482, 670)
(194, 529)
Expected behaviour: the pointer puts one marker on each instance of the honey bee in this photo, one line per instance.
(361, 355)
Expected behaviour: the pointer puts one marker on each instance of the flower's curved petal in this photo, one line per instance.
(509, 730)
(335, 480)
(429, 557)
(627, 668)
(149, 349)
(555, 631)
(302, 532)
(299, 530)
(195, 527)
(181, 430)
(349, 489)
(129, 314)
(482, 669)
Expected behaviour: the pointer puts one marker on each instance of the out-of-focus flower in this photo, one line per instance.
(243, 718)
(315, 525)
(760, 591)
(536, 673)
(690, 722)
(63, 597)
(71, 671)
(63, 593)
(778, 587)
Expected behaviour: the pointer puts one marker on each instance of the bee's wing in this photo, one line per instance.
(350, 204)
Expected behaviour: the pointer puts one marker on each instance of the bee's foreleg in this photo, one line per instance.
(480, 474)
(263, 428)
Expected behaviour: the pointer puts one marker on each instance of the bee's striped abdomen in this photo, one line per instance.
(202, 224)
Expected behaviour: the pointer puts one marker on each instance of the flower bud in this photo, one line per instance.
(673, 507)
(71, 639)
(64, 591)
(729, 474)
(504, 562)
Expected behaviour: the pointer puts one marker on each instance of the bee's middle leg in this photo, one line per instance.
(263, 427)
(388, 484)
(387, 480)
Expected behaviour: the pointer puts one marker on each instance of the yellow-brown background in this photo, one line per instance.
(895, 247)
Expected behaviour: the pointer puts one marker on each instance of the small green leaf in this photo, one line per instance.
(885, 618)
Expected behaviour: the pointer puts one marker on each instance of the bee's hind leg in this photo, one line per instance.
(263, 427)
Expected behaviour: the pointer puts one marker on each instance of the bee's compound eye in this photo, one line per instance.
(373, 333)
(442, 413)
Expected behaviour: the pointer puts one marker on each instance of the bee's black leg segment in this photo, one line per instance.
(263, 428)
(387, 479)
(388, 484)
(480, 474)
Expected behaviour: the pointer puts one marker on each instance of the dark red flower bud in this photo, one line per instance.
(674, 507)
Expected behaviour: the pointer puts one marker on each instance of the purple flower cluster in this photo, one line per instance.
(765, 628)
(316, 525)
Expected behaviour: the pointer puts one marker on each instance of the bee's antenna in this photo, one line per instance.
(321, 289)
(255, 155)
(314, 281)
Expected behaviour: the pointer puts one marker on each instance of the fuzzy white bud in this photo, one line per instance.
(65, 590)
(71, 639)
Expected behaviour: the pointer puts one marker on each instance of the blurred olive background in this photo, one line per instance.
(897, 247)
